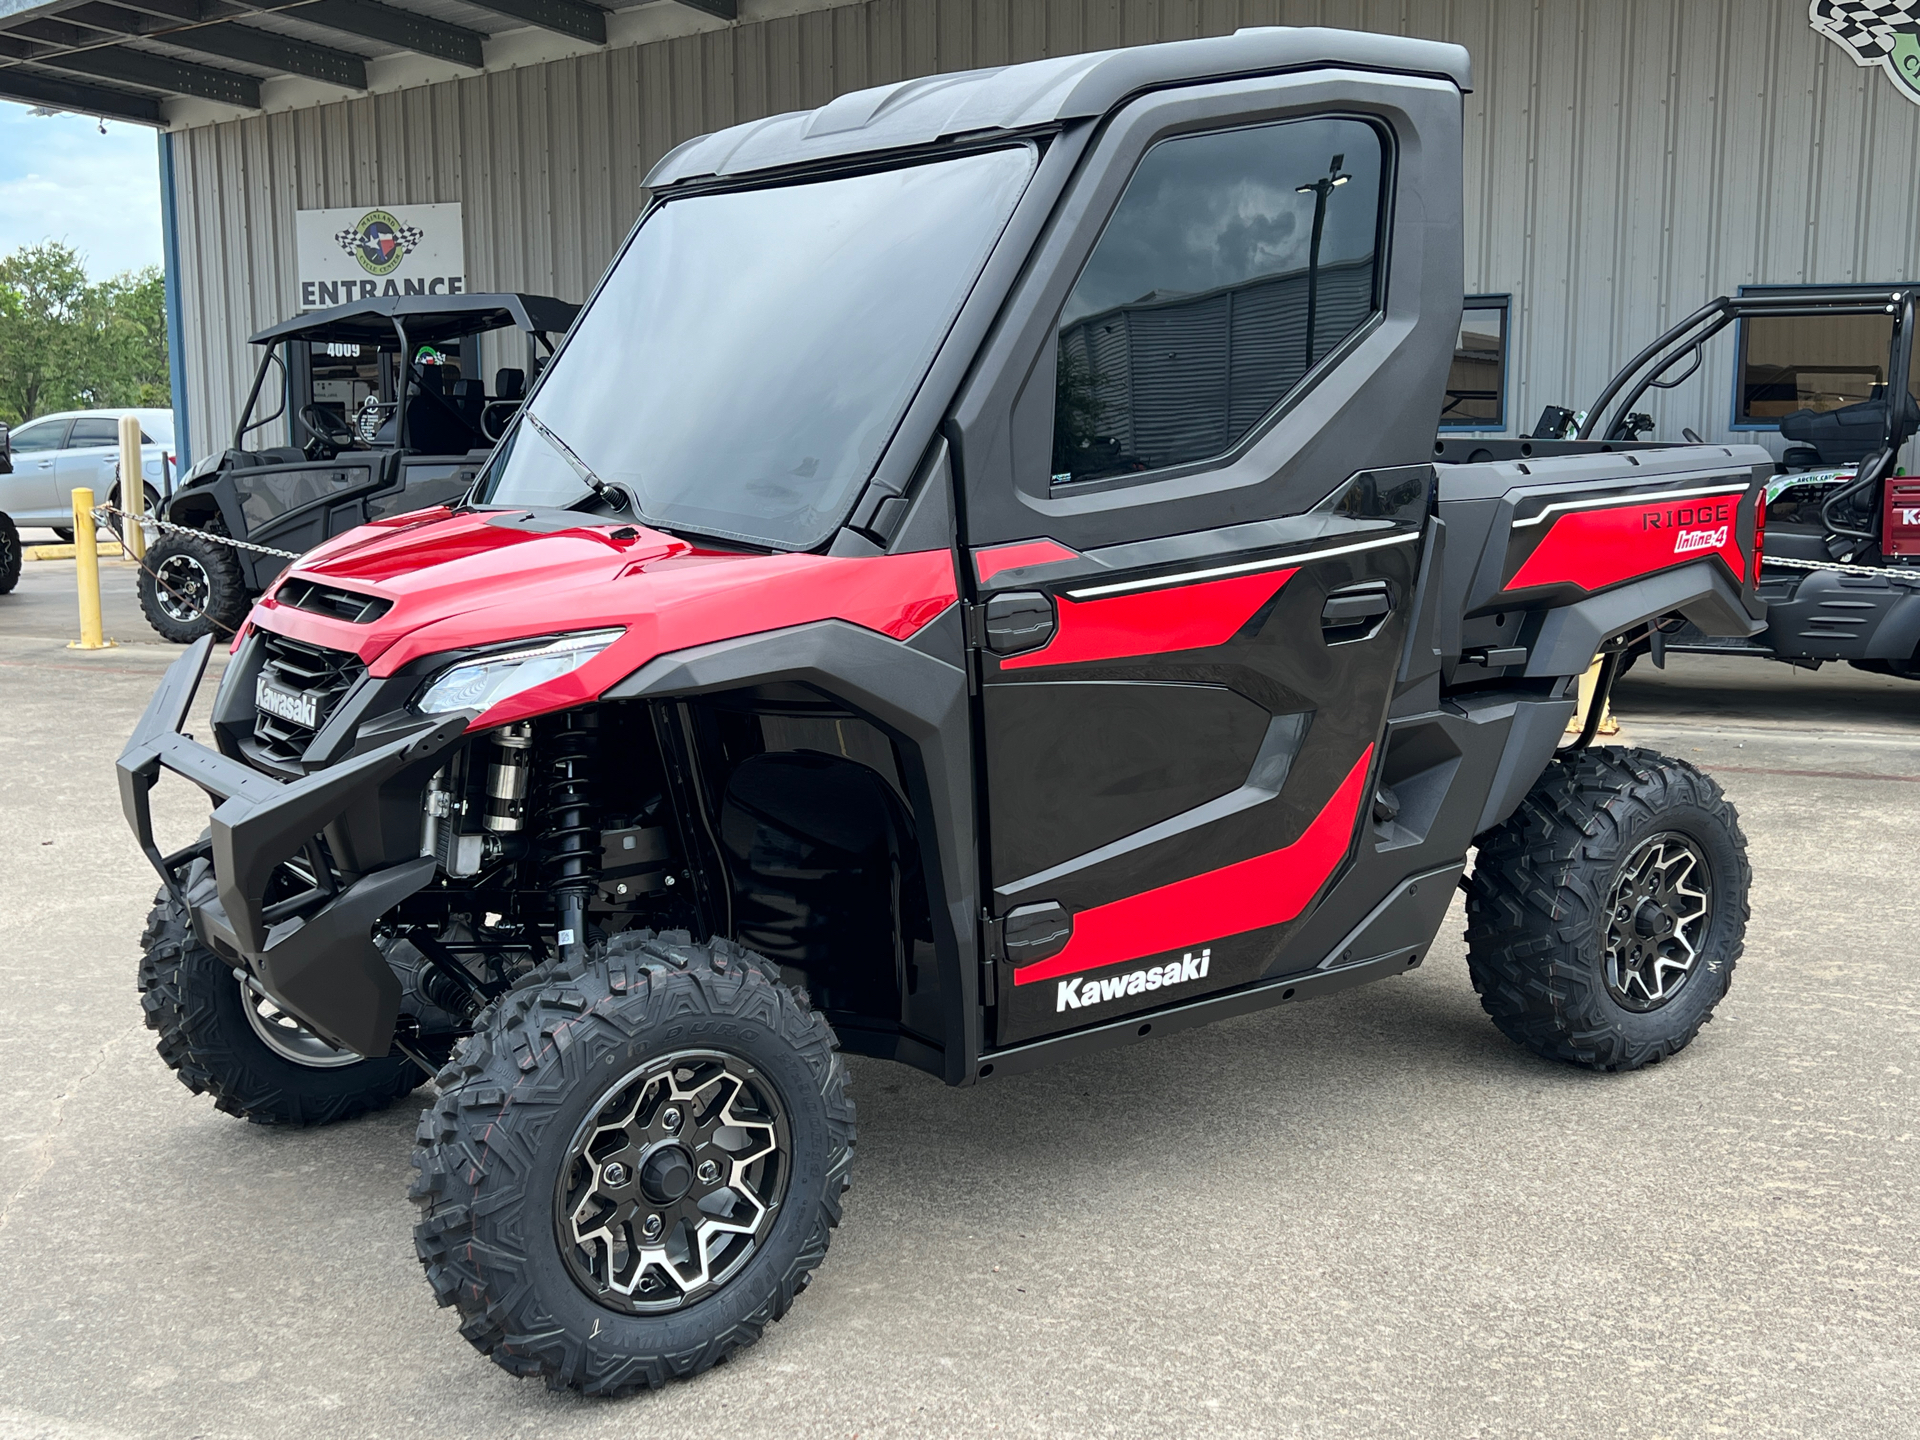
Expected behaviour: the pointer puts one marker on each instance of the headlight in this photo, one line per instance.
(482, 684)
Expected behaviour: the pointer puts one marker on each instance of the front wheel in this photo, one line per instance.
(635, 1164)
(191, 586)
(225, 1039)
(1604, 918)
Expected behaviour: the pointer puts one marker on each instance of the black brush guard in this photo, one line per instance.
(312, 951)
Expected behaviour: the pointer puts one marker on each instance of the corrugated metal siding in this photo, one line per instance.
(1626, 159)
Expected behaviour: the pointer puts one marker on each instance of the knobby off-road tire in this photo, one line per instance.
(200, 1010)
(520, 1142)
(192, 586)
(1555, 909)
(9, 554)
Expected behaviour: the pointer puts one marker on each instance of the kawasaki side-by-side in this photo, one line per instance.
(975, 587)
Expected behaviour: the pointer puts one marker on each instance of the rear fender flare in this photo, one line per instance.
(1898, 635)
(1572, 635)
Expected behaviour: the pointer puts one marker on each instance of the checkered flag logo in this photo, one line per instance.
(1883, 33)
(350, 239)
(1869, 28)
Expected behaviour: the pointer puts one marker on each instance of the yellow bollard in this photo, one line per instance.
(1588, 683)
(133, 493)
(86, 564)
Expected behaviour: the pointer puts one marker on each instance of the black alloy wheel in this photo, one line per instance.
(635, 1163)
(1659, 915)
(182, 587)
(672, 1182)
(9, 554)
(1606, 914)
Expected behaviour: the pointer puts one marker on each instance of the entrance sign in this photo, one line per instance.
(356, 254)
(1875, 32)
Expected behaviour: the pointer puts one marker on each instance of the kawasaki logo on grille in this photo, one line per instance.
(1080, 991)
(287, 704)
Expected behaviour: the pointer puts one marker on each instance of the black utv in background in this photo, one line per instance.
(389, 413)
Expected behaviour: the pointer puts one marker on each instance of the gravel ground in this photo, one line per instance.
(1364, 1215)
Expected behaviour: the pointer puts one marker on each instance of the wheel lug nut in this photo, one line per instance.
(709, 1172)
(614, 1173)
(670, 1118)
(650, 1228)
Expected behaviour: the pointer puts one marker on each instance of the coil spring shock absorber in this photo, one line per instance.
(572, 838)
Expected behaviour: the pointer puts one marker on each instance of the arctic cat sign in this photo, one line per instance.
(1875, 32)
(381, 250)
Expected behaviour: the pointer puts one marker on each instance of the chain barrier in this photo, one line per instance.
(1877, 572)
(103, 514)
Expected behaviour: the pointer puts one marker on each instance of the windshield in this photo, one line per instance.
(745, 362)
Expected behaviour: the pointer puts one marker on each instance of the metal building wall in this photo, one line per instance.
(1626, 159)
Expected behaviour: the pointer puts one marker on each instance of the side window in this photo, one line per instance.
(94, 432)
(1477, 379)
(32, 438)
(1233, 264)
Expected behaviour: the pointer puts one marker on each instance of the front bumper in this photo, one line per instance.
(311, 951)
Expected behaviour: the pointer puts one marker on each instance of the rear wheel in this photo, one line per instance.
(192, 586)
(634, 1165)
(1604, 918)
(225, 1039)
(9, 554)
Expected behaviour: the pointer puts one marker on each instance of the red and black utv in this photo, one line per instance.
(974, 588)
(388, 411)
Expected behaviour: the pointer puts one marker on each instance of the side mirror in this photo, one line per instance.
(6, 450)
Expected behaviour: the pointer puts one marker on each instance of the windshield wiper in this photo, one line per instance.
(611, 494)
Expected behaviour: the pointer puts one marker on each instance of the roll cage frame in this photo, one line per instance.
(362, 320)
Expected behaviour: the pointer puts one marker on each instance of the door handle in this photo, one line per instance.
(1018, 621)
(1355, 612)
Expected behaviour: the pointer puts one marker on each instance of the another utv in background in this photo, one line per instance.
(388, 415)
(9, 532)
(1841, 544)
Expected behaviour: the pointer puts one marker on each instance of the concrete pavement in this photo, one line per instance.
(1365, 1215)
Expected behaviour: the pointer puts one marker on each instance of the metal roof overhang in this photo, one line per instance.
(124, 59)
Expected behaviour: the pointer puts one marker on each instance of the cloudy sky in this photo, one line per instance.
(61, 179)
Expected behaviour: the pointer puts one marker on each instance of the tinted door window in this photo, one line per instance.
(88, 434)
(37, 438)
(1233, 264)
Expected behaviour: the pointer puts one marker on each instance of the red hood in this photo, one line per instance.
(467, 579)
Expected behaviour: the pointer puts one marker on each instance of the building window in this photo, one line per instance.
(1809, 362)
(1477, 379)
(1234, 263)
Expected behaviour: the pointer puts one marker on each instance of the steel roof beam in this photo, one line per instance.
(159, 72)
(719, 9)
(564, 17)
(371, 21)
(63, 94)
(273, 52)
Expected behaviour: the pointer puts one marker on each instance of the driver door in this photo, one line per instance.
(1195, 526)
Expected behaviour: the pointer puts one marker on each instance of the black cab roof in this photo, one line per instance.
(1038, 93)
(429, 319)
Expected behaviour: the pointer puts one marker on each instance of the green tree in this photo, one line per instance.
(67, 343)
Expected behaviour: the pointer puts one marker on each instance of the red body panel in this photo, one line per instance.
(1592, 549)
(991, 561)
(458, 581)
(1902, 527)
(1266, 890)
(1187, 617)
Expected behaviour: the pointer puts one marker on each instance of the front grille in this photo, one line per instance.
(308, 671)
(348, 605)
